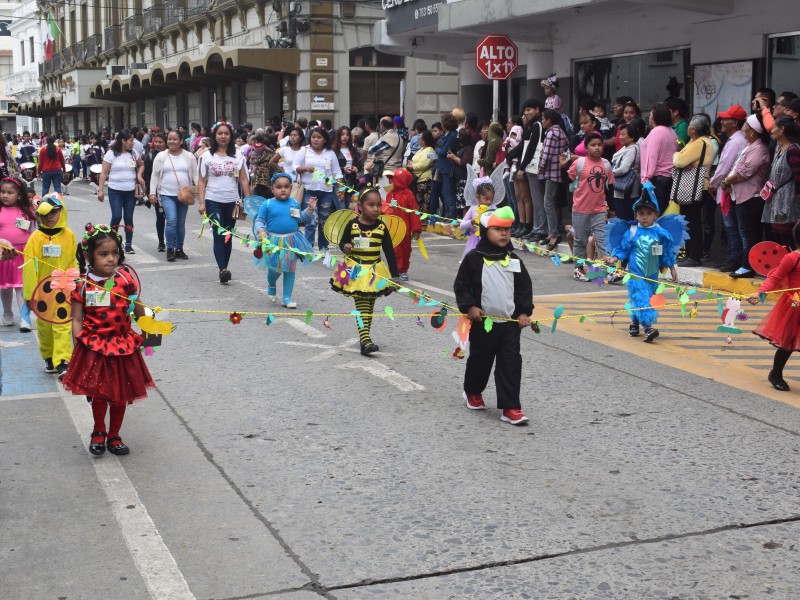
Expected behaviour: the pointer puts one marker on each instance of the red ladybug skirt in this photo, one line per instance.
(781, 326)
(118, 379)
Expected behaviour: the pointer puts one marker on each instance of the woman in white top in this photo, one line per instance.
(284, 157)
(120, 168)
(221, 173)
(627, 159)
(173, 168)
(318, 166)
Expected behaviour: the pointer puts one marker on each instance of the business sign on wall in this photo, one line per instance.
(718, 86)
(408, 15)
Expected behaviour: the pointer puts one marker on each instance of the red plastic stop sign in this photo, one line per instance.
(496, 57)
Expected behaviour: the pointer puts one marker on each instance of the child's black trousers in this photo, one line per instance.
(501, 344)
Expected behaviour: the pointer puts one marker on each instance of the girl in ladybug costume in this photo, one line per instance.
(107, 366)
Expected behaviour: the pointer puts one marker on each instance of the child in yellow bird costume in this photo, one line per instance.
(51, 247)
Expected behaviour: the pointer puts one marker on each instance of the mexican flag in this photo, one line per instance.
(50, 31)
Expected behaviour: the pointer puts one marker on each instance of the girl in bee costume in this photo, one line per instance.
(363, 275)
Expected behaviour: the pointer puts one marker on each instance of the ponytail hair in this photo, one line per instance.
(50, 149)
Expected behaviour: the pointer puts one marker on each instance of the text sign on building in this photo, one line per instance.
(496, 57)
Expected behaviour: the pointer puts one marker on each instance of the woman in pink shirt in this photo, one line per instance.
(657, 150)
(743, 183)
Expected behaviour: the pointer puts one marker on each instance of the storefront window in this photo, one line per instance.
(648, 78)
(784, 53)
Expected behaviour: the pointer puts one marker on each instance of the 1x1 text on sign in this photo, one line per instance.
(496, 57)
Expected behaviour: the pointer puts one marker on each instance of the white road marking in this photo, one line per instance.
(300, 326)
(150, 554)
(173, 267)
(263, 290)
(13, 344)
(29, 396)
(381, 371)
(427, 288)
(204, 300)
(616, 290)
(330, 351)
(142, 257)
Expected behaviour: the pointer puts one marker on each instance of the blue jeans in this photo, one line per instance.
(326, 204)
(446, 190)
(222, 212)
(53, 177)
(175, 226)
(122, 205)
(511, 196)
(743, 228)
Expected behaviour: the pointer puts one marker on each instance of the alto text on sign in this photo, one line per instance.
(496, 57)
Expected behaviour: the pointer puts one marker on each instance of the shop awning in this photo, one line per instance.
(219, 65)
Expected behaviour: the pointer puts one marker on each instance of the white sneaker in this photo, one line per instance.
(24, 326)
(290, 304)
(579, 274)
(272, 298)
(8, 320)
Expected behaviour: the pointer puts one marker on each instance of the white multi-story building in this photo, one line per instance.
(8, 14)
(174, 62)
(26, 46)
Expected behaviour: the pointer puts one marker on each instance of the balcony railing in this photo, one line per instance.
(152, 19)
(68, 56)
(112, 38)
(58, 62)
(18, 83)
(48, 67)
(41, 70)
(93, 45)
(196, 7)
(174, 12)
(77, 52)
(133, 28)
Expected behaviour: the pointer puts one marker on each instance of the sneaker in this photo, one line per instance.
(650, 334)
(272, 298)
(514, 416)
(62, 369)
(181, 254)
(224, 276)
(689, 262)
(369, 347)
(728, 267)
(706, 256)
(170, 255)
(289, 304)
(129, 249)
(474, 401)
(633, 329)
(162, 248)
(403, 276)
(8, 320)
(742, 272)
(48, 366)
(24, 326)
(579, 274)
(615, 276)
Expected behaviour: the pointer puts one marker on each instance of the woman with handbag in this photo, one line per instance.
(422, 167)
(690, 184)
(158, 143)
(318, 167)
(120, 168)
(626, 166)
(782, 190)
(173, 185)
(221, 172)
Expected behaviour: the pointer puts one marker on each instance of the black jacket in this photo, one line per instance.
(533, 134)
(468, 285)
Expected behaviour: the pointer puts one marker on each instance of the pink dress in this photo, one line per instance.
(781, 326)
(10, 270)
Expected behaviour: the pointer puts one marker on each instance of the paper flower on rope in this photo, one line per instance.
(258, 253)
(342, 275)
(65, 280)
(235, 318)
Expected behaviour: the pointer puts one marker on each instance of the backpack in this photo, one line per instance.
(581, 161)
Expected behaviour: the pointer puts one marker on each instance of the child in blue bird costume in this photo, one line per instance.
(649, 244)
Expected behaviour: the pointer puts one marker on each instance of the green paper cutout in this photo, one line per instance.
(558, 311)
(710, 294)
(582, 319)
(270, 319)
(684, 298)
(762, 297)
(309, 314)
(488, 324)
(626, 278)
(660, 288)
(390, 312)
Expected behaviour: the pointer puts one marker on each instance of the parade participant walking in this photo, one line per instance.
(158, 143)
(50, 166)
(222, 173)
(17, 224)
(278, 223)
(362, 241)
(401, 197)
(120, 168)
(51, 247)
(493, 282)
(174, 168)
(107, 366)
(781, 326)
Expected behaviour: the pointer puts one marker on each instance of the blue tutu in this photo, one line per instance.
(283, 259)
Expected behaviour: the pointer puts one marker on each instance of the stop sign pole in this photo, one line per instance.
(496, 57)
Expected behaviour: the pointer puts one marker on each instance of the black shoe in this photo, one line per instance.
(706, 256)
(61, 369)
(118, 449)
(170, 255)
(224, 276)
(689, 262)
(48, 366)
(633, 329)
(369, 348)
(181, 254)
(515, 230)
(650, 334)
(778, 382)
(531, 236)
(161, 247)
(728, 267)
(553, 245)
(129, 249)
(98, 448)
(742, 274)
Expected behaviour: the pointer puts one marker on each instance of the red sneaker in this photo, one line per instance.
(514, 416)
(474, 401)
